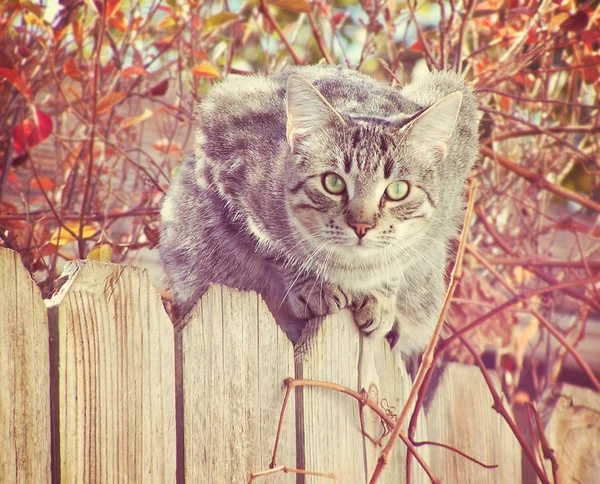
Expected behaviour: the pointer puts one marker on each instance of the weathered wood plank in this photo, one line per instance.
(333, 441)
(461, 415)
(115, 370)
(235, 359)
(573, 432)
(24, 376)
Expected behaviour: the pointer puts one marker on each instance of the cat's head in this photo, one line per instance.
(362, 182)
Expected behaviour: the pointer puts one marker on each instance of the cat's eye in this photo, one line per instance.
(397, 191)
(334, 184)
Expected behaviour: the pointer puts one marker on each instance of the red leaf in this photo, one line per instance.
(159, 89)
(16, 80)
(5, 61)
(416, 46)
(31, 132)
(576, 22)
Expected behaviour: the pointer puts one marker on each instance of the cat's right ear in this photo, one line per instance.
(307, 110)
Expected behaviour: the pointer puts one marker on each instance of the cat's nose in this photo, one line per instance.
(361, 228)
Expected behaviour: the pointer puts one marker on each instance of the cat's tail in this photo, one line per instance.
(429, 89)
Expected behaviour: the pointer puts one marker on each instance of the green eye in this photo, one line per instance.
(334, 184)
(397, 191)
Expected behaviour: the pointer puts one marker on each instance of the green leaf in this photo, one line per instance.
(220, 19)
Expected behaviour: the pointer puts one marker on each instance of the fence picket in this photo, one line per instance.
(116, 380)
(24, 376)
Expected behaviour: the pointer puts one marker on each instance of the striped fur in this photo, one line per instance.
(250, 210)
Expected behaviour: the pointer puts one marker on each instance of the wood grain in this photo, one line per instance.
(336, 351)
(24, 376)
(115, 372)
(461, 415)
(573, 432)
(235, 359)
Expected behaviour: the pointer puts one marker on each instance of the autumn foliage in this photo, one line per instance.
(97, 101)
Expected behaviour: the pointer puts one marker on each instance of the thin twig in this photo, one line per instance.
(264, 9)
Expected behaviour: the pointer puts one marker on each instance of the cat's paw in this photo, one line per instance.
(314, 300)
(374, 313)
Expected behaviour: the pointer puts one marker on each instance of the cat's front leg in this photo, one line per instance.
(375, 312)
(311, 298)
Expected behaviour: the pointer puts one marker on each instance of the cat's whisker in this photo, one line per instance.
(301, 269)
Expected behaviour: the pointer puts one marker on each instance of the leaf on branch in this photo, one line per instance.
(32, 7)
(72, 70)
(167, 24)
(61, 236)
(43, 182)
(159, 89)
(576, 22)
(164, 146)
(103, 253)
(112, 6)
(131, 121)
(299, 6)
(108, 101)
(205, 69)
(31, 132)
(118, 21)
(557, 20)
(134, 71)
(19, 81)
(220, 19)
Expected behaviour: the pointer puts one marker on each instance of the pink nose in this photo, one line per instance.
(360, 228)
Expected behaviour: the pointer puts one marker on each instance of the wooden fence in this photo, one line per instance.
(96, 386)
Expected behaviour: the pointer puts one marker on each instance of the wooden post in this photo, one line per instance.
(24, 376)
(115, 389)
(573, 432)
(235, 360)
(461, 415)
(336, 351)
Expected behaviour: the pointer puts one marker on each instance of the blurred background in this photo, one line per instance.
(97, 101)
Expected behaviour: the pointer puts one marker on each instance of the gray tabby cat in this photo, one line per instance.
(322, 189)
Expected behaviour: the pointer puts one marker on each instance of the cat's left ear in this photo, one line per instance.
(433, 128)
(307, 110)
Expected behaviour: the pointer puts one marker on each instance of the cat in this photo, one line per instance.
(323, 189)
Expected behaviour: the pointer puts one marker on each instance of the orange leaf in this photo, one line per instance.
(163, 146)
(300, 6)
(134, 71)
(205, 69)
(43, 182)
(16, 80)
(61, 236)
(112, 6)
(130, 121)
(118, 22)
(107, 102)
(167, 23)
(71, 69)
(200, 54)
(558, 19)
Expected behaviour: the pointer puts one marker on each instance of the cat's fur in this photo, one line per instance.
(249, 210)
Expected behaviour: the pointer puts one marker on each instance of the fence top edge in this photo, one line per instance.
(73, 271)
